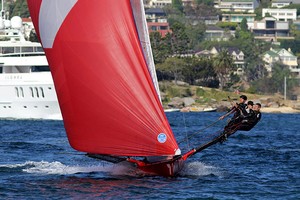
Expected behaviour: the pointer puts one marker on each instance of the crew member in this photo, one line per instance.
(252, 119)
(247, 123)
(239, 110)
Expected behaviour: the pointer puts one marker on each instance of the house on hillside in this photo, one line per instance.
(155, 15)
(237, 56)
(281, 14)
(215, 33)
(238, 6)
(157, 21)
(270, 29)
(283, 56)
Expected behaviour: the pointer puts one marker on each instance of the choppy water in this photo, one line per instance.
(37, 163)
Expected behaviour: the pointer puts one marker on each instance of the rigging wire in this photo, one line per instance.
(188, 137)
(186, 133)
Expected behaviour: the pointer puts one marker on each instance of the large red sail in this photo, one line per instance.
(107, 98)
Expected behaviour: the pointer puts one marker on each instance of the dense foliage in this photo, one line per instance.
(17, 8)
(188, 36)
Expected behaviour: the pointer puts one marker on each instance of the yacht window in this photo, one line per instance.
(39, 49)
(31, 90)
(1, 70)
(42, 92)
(27, 49)
(37, 92)
(7, 50)
(17, 91)
(40, 69)
(22, 92)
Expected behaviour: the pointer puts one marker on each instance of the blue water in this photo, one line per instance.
(37, 163)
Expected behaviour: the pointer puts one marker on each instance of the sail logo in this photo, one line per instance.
(52, 14)
(162, 138)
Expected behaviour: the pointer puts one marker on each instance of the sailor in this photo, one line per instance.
(249, 107)
(251, 119)
(247, 123)
(239, 110)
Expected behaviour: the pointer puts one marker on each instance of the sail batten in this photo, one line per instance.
(107, 97)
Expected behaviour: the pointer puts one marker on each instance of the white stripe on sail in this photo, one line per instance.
(141, 23)
(52, 15)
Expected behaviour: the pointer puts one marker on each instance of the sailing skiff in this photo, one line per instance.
(102, 66)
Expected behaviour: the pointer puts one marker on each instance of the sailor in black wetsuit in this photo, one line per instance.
(239, 110)
(251, 119)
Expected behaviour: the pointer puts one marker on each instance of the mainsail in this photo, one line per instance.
(107, 97)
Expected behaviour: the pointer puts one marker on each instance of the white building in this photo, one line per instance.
(281, 14)
(281, 3)
(283, 56)
(239, 6)
(157, 3)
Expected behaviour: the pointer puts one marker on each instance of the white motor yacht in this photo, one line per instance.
(26, 86)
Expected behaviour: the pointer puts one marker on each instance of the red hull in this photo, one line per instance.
(168, 168)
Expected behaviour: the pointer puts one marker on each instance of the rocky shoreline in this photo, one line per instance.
(269, 105)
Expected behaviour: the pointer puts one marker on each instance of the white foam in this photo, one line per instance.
(200, 169)
(44, 167)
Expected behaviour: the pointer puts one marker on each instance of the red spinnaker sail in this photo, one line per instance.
(107, 98)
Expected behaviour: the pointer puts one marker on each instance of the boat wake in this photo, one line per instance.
(121, 169)
(44, 167)
(200, 169)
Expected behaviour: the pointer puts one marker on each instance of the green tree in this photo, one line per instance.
(20, 8)
(196, 34)
(177, 4)
(275, 83)
(161, 46)
(180, 40)
(33, 37)
(223, 65)
(228, 25)
(199, 71)
(206, 2)
(294, 45)
(244, 26)
(171, 68)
